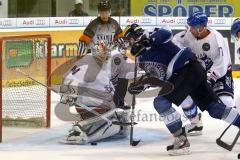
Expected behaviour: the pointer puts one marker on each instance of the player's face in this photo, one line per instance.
(238, 36)
(104, 15)
(130, 41)
(197, 31)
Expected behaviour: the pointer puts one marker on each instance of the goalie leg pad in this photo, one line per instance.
(104, 131)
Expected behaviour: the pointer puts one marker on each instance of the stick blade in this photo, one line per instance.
(226, 146)
(135, 142)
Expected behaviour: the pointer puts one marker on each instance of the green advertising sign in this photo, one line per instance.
(18, 53)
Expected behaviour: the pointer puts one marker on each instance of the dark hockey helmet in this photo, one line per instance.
(235, 28)
(104, 5)
(133, 31)
(197, 19)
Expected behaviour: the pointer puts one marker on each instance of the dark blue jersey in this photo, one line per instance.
(162, 55)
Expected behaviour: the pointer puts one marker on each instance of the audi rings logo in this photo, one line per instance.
(181, 21)
(73, 21)
(6, 23)
(40, 22)
(219, 21)
(146, 21)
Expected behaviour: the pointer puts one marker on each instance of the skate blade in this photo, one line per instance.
(196, 133)
(178, 152)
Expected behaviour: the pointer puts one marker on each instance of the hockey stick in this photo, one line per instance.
(132, 141)
(81, 105)
(223, 144)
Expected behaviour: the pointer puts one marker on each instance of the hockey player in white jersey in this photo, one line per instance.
(89, 86)
(235, 32)
(213, 52)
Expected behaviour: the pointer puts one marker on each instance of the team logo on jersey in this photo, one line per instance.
(117, 61)
(206, 46)
(155, 69)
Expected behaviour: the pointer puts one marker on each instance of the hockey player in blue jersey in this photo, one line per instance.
(162, 59)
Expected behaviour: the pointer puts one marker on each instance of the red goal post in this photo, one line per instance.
(23, 102)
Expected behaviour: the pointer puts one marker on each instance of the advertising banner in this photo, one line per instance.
(183, 8)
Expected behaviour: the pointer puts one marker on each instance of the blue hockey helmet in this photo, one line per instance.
(235, 28)
(197, 19)
(133, 31)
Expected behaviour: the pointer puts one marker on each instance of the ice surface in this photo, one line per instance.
(42, 144)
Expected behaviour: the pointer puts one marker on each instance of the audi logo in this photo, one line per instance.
(219, 21)
(181, 21)
(6, 23)
(40, 22)
(146, 20)
(73, 21)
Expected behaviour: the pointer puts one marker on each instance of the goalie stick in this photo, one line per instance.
(81, 105)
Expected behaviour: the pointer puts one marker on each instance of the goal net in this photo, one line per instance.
(23, 101)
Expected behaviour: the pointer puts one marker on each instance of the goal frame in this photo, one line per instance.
(48, 81)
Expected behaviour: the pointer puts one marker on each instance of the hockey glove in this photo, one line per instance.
(211, 78)
(66, 99)
(137, 49)
(145, 41)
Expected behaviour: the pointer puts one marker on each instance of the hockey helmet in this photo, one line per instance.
(197, 19)
(104, 5)
(235, 28)
(133, 31)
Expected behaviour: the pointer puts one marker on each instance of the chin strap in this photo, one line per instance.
(198, 30)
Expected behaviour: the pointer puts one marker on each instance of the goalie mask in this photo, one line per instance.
(102, 51)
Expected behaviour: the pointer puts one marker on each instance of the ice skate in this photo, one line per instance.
(180, 145)
(196, 127)
(75, 136)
